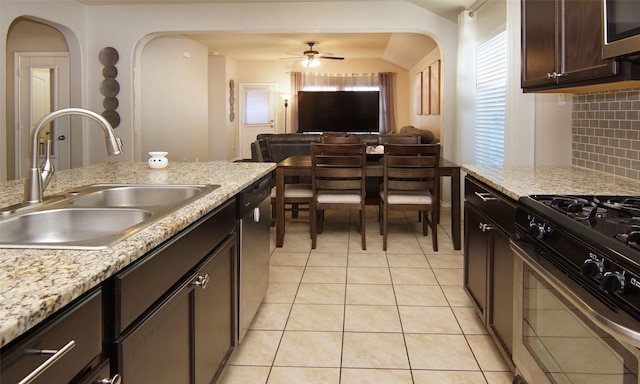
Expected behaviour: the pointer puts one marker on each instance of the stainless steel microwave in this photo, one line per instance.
(621, 28)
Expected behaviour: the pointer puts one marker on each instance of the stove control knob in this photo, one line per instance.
(592, 268)
(614, 282)
(539, 231)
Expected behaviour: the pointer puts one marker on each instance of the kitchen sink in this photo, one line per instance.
(93, 217)
(76, 227)
(137, 196)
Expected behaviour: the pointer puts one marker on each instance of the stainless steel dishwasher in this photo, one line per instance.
(254, 213)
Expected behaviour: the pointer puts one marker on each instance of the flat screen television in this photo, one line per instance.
(345, 111)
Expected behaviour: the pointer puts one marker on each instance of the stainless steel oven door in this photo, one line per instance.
(562, 334)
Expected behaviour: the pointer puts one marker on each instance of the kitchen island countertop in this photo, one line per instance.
(516, 181)
(35, 283)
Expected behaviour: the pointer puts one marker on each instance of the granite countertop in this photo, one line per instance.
(34, 283)
(523, 180)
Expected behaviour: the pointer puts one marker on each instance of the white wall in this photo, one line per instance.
(128, 29)
(174, 94)
(223, 137)
(279, 72)
(70, 19)
(537, 129)
(429, 122)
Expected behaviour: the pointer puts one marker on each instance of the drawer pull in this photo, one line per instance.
(116, 379)
(485, 227)
(56, 355)
(485, 196)
(201, 281)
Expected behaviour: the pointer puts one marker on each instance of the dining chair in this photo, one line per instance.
(338, 181)
(351, 139)
(264, 150)
(297, 196)
(410, 182)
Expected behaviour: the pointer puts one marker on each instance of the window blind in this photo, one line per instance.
(491, 81)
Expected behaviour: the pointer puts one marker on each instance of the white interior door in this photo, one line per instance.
(42, 87)
(257, 113)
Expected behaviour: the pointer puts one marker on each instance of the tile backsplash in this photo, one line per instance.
(605, 129)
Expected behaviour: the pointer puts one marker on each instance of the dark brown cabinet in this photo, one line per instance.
(66, 348)
(476, 260)
(191, 331)
(562, 46)
(177, 306)
(489, 221)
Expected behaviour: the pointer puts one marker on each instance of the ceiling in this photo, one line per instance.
(401, 49)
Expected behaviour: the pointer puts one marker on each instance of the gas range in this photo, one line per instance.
(595, 240)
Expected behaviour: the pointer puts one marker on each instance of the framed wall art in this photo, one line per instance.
(434, 87)
(417, 93)
(426, 91)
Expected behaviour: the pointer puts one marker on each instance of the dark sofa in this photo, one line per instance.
(279, 146)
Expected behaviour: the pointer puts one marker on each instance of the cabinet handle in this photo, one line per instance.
(201, 281)
(555, 75)
(485, 196)
(56, 355)
(485, 227)
(116, 379)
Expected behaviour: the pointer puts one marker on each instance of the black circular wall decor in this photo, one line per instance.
(109, 87)
(108, 56)
(110, 103)
(109, 72)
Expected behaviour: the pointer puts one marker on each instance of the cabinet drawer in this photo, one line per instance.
(80, 324)
(499, 207)
(139, 286)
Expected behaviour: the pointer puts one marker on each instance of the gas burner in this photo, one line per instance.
(631, 237)
(569, 204)
(629, 206)
(594, 211)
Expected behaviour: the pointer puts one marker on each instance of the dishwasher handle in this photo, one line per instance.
(256, 214)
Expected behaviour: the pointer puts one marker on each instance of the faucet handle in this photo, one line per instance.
(47, 169)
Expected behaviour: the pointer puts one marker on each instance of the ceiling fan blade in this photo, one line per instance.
(331, 57)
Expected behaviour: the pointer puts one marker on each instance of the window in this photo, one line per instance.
(491, 84)
(340, 82)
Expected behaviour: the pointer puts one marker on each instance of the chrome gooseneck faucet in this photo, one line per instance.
(38, 177)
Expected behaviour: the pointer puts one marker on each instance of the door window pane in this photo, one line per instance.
(257, 107)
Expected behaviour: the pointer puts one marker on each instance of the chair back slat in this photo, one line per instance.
(338, 166)
(411, 167)
(338, 160)
(409, 161)
(411, 173)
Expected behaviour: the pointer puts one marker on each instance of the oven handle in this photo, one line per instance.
(623, 333)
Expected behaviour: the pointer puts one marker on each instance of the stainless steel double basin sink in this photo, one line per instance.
(93, 217)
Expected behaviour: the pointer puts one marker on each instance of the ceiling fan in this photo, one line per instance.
(310, 57)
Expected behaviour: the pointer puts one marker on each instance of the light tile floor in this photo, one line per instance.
(341, 315)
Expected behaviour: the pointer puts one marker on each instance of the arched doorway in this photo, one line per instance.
(38, 81)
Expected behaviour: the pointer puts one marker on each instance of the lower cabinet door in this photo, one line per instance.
(501, 314)
(214, 313)
(476, 258)
(158, 350)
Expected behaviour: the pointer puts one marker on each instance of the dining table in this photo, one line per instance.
(300, 165)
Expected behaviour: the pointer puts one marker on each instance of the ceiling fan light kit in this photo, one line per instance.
(310, 62)
(311, 58)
